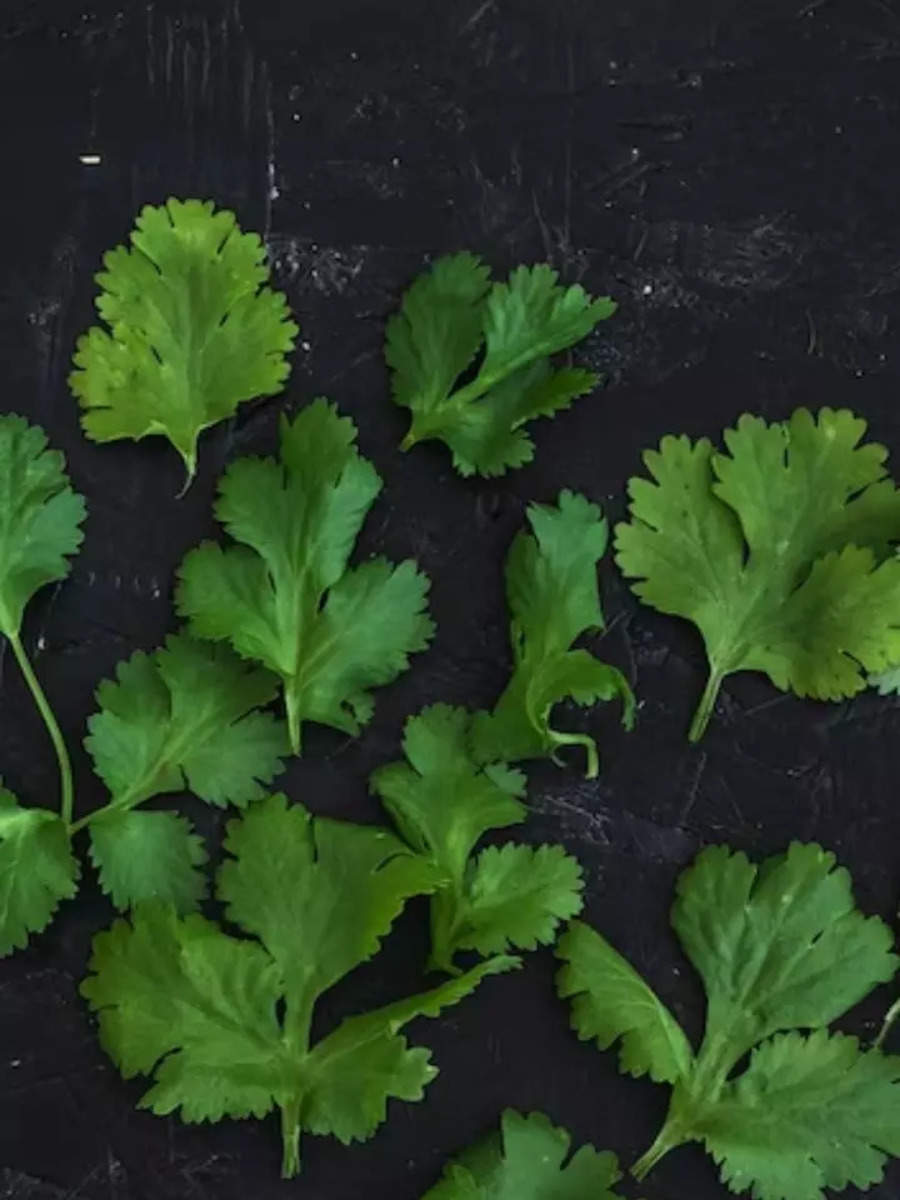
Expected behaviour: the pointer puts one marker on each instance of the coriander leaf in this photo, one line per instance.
(202, 1011)
(179, 992)
(364, 1062)
(37, 870)
(285, 595)
(809, 1113)
(443, 803)
(40, 517)
(517, 895)
(610, 1001)
(319, 894)
(778, 946)
(527, 1161)
(773, 550)
(148, 855)
(446, 316)
(193, 331)
(551, 583)
(185, 717)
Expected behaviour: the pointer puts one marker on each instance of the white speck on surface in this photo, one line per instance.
(90, 160)
(295, 117)
(305, 346)
(15, 1062)
(647, 289)
(395, 161)
(42, 643)
(354, 56)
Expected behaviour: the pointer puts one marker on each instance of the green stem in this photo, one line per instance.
(706, 705)
(292, 705)
(408, 442)
(670, 1136)
(590, 746)
(892, 1014)
(445, 921)
(290, 1138)
(66, 787)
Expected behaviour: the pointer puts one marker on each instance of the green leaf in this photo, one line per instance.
(517, 896)
(886, 682)
(610, 1001)
(146, 856)
(37, 870)
(551, 583)
(364, 1063)
(320, 895)
(285, 597)
(446, 316)
(528, 1160)
(184, 717)
(443, 803)
(40, 517)
(779, 946)
(223, 1024)
(809, 1113)
(192, 330)
(179, 993)
(773, 551)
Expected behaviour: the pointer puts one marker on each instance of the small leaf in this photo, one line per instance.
(147, 856)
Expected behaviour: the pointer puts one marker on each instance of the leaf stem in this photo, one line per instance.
(670, 1136)
(66, 787)
(292, 706)
(892, 1014)
(706, 705)
(590, 746)
(290, 1137)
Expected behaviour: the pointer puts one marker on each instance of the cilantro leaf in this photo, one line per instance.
(40, 518)
(779, 947)
(148, 855)
(551, 584)
(446, 317)
(223, 1024)
(182, 718)
(886, 682)
(610, 1001)
(526, 1160)
(773, 550)
(37, 870)
(193, 331)
(285, 596)
(808, 1113)
(443, 803)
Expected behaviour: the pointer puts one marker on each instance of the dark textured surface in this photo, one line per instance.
(730, 173)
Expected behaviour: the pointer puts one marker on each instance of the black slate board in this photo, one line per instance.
(730, 173)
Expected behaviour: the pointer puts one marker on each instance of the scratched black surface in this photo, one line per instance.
(730, 173)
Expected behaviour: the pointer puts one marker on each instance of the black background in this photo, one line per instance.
(730, 173)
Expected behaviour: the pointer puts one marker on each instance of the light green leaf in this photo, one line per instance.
(184, 718)
(147, 856)
(773, 551)
(364, 1063)
(441, 801)
(179, 993)
(37, 870)
(192, 330)
(610, 1001)
(445, 318)
(528, 1161)
(40, 517)
(551, 581)
(778, 946)
(516, 897)
(285, 596)
(320, 895)
(809, 1113)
